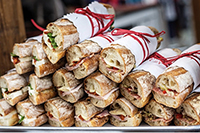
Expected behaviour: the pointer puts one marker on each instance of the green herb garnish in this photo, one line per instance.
(13, 55)
(6, 89)
(34, 57)
(30, 86)
(21, 119)
(52, 40)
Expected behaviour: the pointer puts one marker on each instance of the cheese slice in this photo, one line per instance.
(118, 111)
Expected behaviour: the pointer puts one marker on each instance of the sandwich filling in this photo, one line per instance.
(16, 59)
(119, 114)
(71, 90)
(165, 91)
(11, 95)
(132, 90)
(185, 118)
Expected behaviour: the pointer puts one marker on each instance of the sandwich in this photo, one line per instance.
(31, 115)
(21, 56)
(102, 90)
(14, 87)
(126, 53)
(68, 87)
(43, 66)
(60, 113)
(59, 35)
(40, 89)
(88, 115)
(9, 116)
(188, 113)
(156, 114)
(137, 87)
(123, 113)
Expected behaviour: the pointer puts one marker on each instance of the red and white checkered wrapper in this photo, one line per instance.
(154, 64)
(85, 27)
(191, 64)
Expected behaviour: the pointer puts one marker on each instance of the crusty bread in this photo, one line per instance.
(15, 96)
(72, 97)
(159, 110)
(65, 80)
(33, 115)
(159, 122)
(24, 67)
(65, 123)
(9, 116)
(141, 83)
(104, 103)
(99, 83)
(175, 101)
(79, 51)
(117, 56)
(87, 67)
(12, 81)
(86, 109)
(94, 122)
(59, 108)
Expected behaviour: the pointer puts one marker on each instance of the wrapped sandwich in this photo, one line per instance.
(83, 58)
(31, 115)
(69, 88)
(156, 114)
(21, 56)
(14, 87)
(118, 59)
(40, 89)
(102, 90)
(9, 116)
(74, 27)
(60, 113)
(88, 115)
(179, 79)
(188, 113)
(123, 113)
(137, 86)
(43, 66)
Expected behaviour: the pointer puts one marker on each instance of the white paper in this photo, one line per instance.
(38, 38)
(135, 46)
(155, 66)
(83, 24)
(106, 40)
(190, 65)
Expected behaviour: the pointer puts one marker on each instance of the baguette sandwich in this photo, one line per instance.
(102, 90)
(31, 115)
(43, 66)
(68, 30)
(21, 56)
(40, 89)
(156, 114)
(88, 115)
(14, 87)
(68, 87)
(9, 116)
(60, 113)
(188, 113)
(123, 113)
(137, 87)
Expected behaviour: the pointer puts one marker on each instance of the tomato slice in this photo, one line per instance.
(179, 116)
(16, 60)
(122, 117)
(164, 91)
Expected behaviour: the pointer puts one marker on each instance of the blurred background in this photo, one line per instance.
(179, 18)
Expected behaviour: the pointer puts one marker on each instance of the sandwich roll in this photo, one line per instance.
(43, 66)
(118, 59)
(137, 87)
(69, 88)
(88, 115)
(9, 116)
(123, 113)
(188, 113)
(156, 114)
(102, 90)
(179, 79)
(31, 115)
(60, 113)
(21, 56)
(68, 30)
(40, 89)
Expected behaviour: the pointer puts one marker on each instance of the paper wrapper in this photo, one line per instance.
(154, 65)
(134, 46)
(83, 24)
(105, 39)
(38, 38)
(190, 65)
